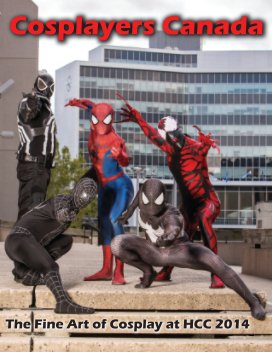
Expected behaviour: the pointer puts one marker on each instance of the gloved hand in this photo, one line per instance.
(123, 219)
(33, 102)
(65, 215)
(165, 240)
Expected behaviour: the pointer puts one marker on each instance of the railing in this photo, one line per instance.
(241, 221)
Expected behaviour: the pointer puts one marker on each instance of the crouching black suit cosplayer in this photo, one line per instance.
(167, 244)
(37, 241)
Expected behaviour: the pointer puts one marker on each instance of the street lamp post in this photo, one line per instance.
(5, 86)
(7, 134)
(137, 170)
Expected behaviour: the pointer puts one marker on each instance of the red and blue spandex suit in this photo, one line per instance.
(108, 154)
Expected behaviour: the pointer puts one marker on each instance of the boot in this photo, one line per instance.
(257, 308)
(118, 276)
(216, 282)
(147, 279)
(64, 305)
(164, 274)
(105, 274)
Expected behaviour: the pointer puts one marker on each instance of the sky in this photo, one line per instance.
(53, 54)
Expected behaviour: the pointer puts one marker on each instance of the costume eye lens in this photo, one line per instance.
(162, 133)
(52, 87)
(108, 119)
(160, 199)
(94, 120)
(145, 199)
(41, 84)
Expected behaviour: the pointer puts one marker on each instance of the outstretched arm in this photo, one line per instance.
(151, 133)
(206, 142)
(81, 103)
(173, 227)
(130, 210)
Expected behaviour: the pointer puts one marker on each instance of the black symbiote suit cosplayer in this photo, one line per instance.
(168, 244)
(37, 241)
(36, 151)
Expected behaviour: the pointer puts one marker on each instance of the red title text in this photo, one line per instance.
(172, 25)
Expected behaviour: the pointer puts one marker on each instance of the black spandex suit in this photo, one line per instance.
(167, 244)
(37, 241)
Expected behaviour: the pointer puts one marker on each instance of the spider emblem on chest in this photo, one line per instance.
(150, 231)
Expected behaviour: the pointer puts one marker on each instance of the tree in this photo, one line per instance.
(63, 178)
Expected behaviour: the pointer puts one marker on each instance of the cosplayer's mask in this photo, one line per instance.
(44, 85)
(102, 117)
(84, 192)
(152, 197)
(171, 132)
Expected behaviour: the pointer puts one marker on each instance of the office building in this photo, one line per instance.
(228, 93)
(19, 66)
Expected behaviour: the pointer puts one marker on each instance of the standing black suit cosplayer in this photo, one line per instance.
(37, 241)
(37, 130)
(167, 244)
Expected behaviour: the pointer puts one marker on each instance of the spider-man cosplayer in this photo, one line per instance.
(108, 154)
(187, 162)
(37, 240)
(167, 244)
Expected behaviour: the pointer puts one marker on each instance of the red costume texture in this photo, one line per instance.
(188, 164)
(108, 154)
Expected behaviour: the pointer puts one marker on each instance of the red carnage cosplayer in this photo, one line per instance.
(108, 154)
(187, 162)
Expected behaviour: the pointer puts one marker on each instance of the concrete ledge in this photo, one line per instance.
(104, 296)
(257, 262)
(19, 297)
(42, 344)
(231, 252)
(15, 344)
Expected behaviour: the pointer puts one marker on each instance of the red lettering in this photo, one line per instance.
(14, 23)
(222, 28)
(255, 28)
(79, 23)
(123, 27)
(106, 30)
(39, 27)
(51, 27)
(135, 27)
(65, 28)
(149, 27)
(239, 27)
(20, 26)
(188, 28)
(167, 23)
(91, 28)
(204, 27)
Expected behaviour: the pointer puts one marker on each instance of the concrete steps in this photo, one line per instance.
(182, 315)
(104, 296)
(62, 344)
(15, 344)
(129, 298)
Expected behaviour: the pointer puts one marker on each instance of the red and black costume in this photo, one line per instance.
(187, 162)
